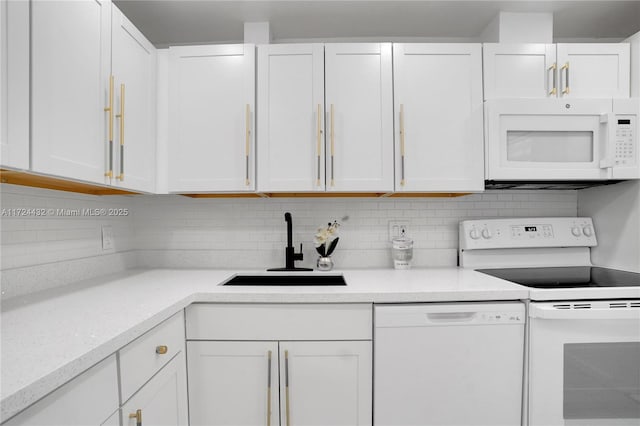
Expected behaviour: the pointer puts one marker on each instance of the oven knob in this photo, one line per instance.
(576, 231)
(474, 234)
(486, 233)
(587, 230)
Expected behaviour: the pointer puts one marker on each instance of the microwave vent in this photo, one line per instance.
(546, 184)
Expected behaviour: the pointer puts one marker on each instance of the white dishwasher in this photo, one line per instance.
(448, 364)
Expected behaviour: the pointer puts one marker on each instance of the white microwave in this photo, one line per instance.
(561, 139)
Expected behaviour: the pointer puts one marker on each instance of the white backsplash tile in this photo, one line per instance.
(181, 232)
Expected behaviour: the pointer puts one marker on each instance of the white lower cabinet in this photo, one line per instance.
(89, 399)
(325, 383)
(233, 383)
(114, 420)
(162, 400)
(311, 380)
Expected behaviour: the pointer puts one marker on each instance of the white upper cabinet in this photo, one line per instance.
(14, 84)
(519, 70)
(134, 71)
(291, 118)
(576, 70)
(70, 65)
(211, 118)
(596, 70)
(438, 117)
(359, 107)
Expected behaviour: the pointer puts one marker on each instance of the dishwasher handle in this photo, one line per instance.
(451, 317)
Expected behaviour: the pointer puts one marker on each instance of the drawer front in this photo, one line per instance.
(279, 322)
(143, 357)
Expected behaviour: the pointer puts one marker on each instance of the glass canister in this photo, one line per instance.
(402, 252)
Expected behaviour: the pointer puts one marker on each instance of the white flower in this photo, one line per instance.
(325, 235)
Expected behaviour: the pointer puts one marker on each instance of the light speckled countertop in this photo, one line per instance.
(50, 337)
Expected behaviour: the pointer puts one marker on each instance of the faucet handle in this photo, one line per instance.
(298, 256)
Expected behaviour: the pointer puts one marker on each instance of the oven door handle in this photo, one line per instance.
(550, 312)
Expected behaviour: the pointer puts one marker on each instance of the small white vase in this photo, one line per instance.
(325, 263)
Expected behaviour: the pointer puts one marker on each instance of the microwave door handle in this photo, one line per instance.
(607, 130)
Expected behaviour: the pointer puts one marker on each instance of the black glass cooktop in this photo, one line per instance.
(566, 277)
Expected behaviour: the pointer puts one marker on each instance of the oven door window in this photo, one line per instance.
(601, 380)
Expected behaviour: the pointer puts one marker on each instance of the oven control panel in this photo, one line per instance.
(527, 232)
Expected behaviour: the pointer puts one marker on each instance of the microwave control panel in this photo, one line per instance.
(527, 232)
(625, 140)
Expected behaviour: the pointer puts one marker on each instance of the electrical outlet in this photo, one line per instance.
(107, 237)
(398, 228)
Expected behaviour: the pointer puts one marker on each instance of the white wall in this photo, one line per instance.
(615, 211)
(179, 232)
(42, 251)
(173, 231)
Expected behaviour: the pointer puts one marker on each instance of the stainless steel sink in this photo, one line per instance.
(286, 280)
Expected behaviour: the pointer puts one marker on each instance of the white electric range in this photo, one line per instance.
(583, 331)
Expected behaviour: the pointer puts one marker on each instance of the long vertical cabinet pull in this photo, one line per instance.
(109, 109)
(138, 416)
(319, 143)
(402, 181)
(269, 389)
(565, 68)
(247, 146)
(332, 146)
(286, 387)
(553, 68)
(120, 176)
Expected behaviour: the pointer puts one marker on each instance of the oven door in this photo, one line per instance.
(546, 139)
(584, 363)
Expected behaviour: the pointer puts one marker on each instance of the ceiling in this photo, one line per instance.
(167, 22)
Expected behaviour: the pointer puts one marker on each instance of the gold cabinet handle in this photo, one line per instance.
(319, 146)
(565, 68)
(161, 350)
(247, 146)
(332, 146)
(109, 109)
(269, 388)
(138, 416)
(120, 176)
(286, 388)
(402, 181)
(553, 68)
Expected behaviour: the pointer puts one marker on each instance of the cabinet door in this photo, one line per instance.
(359, 103)
(113, 420)
(594, 70)
(163, 400)
(211, 118)
(519, 70)
(233, 383)
(134, 71)
(14, 84)
(438, 113)
(70, 64)
(291, 118)
(325, 383)
(88, 399)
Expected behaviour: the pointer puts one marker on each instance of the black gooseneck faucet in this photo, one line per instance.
(290, 254)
